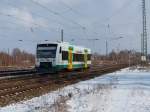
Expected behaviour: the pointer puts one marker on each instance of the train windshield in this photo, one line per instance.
(46, 50)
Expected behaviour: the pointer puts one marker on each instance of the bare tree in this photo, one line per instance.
(17, 58)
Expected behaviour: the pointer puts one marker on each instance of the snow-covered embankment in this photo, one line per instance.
(122, 91)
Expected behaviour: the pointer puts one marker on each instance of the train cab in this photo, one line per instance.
(46, 57)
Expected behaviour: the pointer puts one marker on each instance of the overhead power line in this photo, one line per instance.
(58, 14)
(39, 15)
(70, 8)
(65, 18)
(125, 5)
(118, 11)
(36, 25)
(13, 16)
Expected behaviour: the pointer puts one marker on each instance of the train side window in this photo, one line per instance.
(64, 55)
(60, 50)
(75, 57)
(89, 56)
(78, 57)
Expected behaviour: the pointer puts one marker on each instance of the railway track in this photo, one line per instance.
(24, 72)
(21, 88)
(17, 72)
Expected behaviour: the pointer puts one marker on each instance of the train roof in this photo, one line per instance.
(64, 43)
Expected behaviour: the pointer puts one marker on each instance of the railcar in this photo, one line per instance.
(57, 56)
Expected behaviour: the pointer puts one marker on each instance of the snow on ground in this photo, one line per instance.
(127, 90)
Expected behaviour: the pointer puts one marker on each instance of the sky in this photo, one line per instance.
(83, 21)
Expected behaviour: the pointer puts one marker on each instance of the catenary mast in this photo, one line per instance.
(144, 34)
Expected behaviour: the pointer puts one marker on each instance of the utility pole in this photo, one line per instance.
(106, 48)
(144, 34)
(62, 35)
(142, 46)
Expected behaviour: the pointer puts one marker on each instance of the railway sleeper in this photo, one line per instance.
(34, 90)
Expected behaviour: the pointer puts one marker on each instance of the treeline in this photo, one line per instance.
(17, 58)
(124, 56)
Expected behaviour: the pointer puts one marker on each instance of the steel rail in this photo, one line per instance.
(35, 86)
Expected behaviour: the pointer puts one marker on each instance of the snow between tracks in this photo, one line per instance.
(122, 91)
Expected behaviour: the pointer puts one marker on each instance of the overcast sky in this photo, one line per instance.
(82, 20)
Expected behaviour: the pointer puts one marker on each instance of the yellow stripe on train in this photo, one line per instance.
(70, 66)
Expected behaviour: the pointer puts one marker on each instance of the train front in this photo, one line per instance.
(46, 57)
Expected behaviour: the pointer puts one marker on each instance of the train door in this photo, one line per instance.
(85, 58)
(70, 58)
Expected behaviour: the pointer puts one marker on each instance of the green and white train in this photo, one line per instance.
(57, 56)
